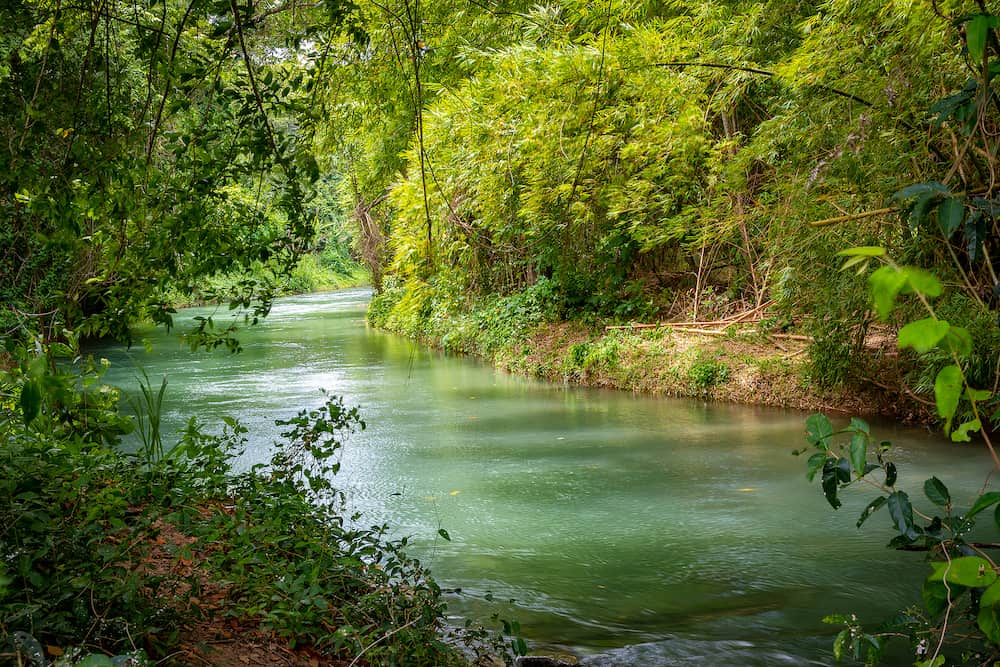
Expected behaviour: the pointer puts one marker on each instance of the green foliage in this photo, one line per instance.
(706, 373)
(79, 522)
(960, 582)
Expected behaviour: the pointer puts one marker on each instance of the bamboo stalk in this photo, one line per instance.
(852, 216)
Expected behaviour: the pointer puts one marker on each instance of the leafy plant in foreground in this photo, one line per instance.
(961, 596)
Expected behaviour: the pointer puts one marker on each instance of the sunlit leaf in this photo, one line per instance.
(968, 571)
(863, 251)
(859, 453)
(819, 429)
(884, 285)
(923, 335)
(961, 434)
(919, 281)
(947, 392)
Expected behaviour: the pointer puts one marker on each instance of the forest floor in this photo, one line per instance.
(211, 637)
(737, 364)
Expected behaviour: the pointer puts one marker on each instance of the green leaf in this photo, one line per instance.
(947, 392)
(890, 474)
(818, 430)
(901, 512)
(96, 660)
(863, 251)
(936, 594)
(967, 571)
(815, 464)
(958, 341)
(982, 502)
(978, 394)
(840, 642)
(871, 508)
(937, 492)
(444, 533)
(961, 434)
(923, 335)
(920, 189)
(31, 401)
(976, 32)
(859, 453)
(936, 661)
(830, 483)
(884, 285)
(919, 281)
(951, 213)
(989, 613)
(859, 425)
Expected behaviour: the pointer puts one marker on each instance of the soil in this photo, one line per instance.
(212, 637)
(751, 368)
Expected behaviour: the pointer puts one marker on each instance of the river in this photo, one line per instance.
(628, 530)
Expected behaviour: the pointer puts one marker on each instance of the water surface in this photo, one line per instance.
(628, 530)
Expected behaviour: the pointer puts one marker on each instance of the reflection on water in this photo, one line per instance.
(629, 530)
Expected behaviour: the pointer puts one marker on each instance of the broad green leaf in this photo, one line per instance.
(983, 502)
(919, 281)
(989, 613)
(859, 425)
(935, 661)
(863, 251)
(937, 595)
(923, 335)
(859, 453)
(947, 392)
(870, 509)
(921, 189)
(815, 464)
(31, 401)
(961, 434)
(937, 492)
(978, 394)
(921, 208)
(901, 512)
(950, 215)
(967, 571)
(818, 430)
(884, 285)
(976, 33)
(958, 341)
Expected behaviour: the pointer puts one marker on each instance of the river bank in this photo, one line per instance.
(740, 363)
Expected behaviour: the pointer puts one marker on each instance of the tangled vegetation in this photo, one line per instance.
(87, 569)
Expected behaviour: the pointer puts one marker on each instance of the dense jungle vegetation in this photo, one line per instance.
(495, 166)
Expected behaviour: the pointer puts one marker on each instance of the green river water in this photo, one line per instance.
(628, 530)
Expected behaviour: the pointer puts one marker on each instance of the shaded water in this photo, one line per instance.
(629, 530)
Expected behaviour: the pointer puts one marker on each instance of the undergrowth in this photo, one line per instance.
(81, 524)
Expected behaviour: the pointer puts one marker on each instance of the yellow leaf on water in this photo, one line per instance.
(747, 488)
(454, 493)
(430, 499)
